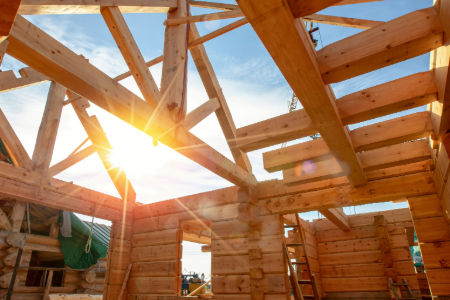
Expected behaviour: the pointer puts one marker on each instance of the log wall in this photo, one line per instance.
(351, 261)
(433, 235)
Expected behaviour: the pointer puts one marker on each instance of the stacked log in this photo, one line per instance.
(91, 281)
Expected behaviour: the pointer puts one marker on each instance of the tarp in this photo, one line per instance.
(73, 247)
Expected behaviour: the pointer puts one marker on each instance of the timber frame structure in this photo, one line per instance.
(402, 159)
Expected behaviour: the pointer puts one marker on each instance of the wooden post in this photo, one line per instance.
(3, 46)
(48, 285)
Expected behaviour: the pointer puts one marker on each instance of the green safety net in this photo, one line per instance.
(73, 247)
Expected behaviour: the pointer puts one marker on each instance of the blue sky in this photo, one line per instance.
(253, 86)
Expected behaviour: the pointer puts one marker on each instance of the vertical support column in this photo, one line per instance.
(174, 63)
(248, 260)
(433, 235)
(118, 260)
(3, 46)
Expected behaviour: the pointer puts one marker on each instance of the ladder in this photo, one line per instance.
(297, 284)
(392, 285)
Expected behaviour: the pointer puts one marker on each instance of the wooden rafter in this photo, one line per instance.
(303, 75)
(91, 83)
(15, 148)
(191, 44)
(8, 12)
(301, 8)
(35, 7)
(131, 53)
(395, 96)
(104, 150)
(378, 135)
(9, 81)
(202, 18)
(337, 216)
(341, 21)
(3, 46)
(46, 138)
(71, 160)
(214, 90)
(200, 113)
(403, 38)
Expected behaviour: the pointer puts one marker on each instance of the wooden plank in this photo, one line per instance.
(214, 90)
(241, 264)
(354, 233)
(370, 137)
(361, 284)
(361, 257)
(48, 129)
(130, 52)
(387, 98)
(354, 245)
(213, 5)
(373, 192)
(337, 216)
(71, 160)
(3, 45)
(15, 148)
(89, 82)
(196, 238)
(9, 81)
(200, 113)
(104, 150)
(237, 13)
(382, 46)
(438, 276)
(241, 284)
(8, 12)
(353, 270)
(240, 246)
(342, 21)
(418, 167)
(50, 7)
(291, 35)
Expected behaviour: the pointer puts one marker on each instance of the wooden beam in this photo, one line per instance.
(342, 21)
(214, 90)
(384, 190)
(337, 217)
(3, 45)
(213, 5)
(24, 184)
(174, 73)
(51, 7)
(382, 158)
(403, 38)
(15, 148)
(17, 215)
(8, 12)
(191, 44)
(130, 52)
(89, 82)
(46, 138)
(378, 135)
(193, 238)
(395, 96)
(104, 150)
(71, 160)
(301, 8)
(348, 2)
(9, 81)
(439, 65)
(290, 47)
(5, 224)
(203, 18)
(200, 113)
